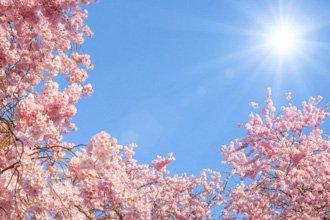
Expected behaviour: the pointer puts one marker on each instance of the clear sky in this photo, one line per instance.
(177, 75)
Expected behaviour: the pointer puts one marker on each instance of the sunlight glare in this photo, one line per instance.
(283, 40)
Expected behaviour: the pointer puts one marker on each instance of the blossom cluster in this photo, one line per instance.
(283, 162)
(286, 159)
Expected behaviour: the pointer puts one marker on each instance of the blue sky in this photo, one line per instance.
(177, 76)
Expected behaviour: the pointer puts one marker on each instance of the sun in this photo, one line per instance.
(283, 39)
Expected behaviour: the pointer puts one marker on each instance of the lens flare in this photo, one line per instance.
(283, 39)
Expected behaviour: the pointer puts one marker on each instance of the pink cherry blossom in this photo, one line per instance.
(43, 177)
(281, 165)
(285, 159)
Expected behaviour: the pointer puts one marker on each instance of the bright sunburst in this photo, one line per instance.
(283, 40)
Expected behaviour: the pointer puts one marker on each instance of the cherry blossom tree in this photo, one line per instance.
(43, 177)
(283, 164)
